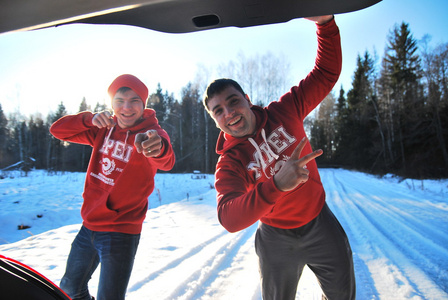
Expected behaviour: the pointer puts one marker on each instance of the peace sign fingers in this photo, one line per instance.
(307, 158)
(294, 171)
(298, 150)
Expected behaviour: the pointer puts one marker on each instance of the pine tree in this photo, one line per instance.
(100, 107)
(401, 93)
(192, 128)
(38, 141)
(55, 161)
(77, 156)
(4, 138)
(355, 118)
(323, 130)
(157, 102)
(435, 70)
(83, 106)
(342, 141)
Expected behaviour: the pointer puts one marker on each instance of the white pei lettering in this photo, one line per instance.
(118, 149)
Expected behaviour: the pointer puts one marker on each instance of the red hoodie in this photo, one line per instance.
(119, 179)
(244, 174)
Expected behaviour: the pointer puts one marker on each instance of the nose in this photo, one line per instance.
(127, 105)
(229, 111)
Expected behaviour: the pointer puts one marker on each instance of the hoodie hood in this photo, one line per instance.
(226, 141)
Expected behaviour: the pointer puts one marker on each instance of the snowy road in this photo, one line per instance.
(399, 238)
(398, 233)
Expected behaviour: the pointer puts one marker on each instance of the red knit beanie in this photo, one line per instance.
(131, 82)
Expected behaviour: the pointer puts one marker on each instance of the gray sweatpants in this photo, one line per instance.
(321, 244)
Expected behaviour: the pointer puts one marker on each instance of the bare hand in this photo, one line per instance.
(320, 19)
(148, 143)
(294, 171)
(103, 119)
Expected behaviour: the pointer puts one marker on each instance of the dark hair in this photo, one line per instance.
(219, 85)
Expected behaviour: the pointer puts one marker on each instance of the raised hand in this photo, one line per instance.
(320, 19)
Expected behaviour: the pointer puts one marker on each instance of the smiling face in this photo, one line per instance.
(128, 108)
(231, 112)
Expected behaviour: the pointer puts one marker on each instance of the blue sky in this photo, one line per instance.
(39, 69)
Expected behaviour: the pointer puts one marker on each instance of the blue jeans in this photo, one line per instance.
(115, 251)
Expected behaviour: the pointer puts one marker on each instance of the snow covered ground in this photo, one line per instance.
(398, 232)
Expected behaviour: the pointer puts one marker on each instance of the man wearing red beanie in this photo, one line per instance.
(128, 149)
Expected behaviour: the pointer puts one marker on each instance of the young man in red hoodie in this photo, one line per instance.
(267, 172)
(128, 148)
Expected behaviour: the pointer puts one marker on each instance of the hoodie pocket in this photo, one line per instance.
(95, 209)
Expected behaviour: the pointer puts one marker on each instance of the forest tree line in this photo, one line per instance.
(394, 119)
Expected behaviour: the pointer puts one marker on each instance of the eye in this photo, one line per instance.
(217, 111)
(234, 101)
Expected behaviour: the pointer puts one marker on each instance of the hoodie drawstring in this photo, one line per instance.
(108, 135)
(127, 135)
(106, 140)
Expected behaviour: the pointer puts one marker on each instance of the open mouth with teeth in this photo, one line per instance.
(126, 120)
(235, 121)
(127, 116)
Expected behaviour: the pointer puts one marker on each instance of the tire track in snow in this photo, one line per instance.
(344, 209)
(175, 263)
(379, 231)
(193, 275)
(407, 233)
(411, 211)
(199, 283)
(416, 246)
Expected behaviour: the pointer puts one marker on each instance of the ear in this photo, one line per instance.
(248, 100)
